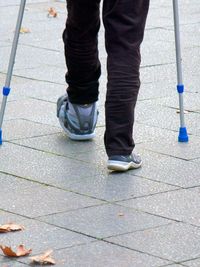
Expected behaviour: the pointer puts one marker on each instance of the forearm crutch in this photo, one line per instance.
(6, 88)
(183, 136)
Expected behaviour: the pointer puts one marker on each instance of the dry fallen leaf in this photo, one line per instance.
(21, 251)
(52, 12)
(10, 227)
(24, 30)
(44, 258)
(120, 214)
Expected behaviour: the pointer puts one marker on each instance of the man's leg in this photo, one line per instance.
(124, 22)
(81, 52)
(77, 111)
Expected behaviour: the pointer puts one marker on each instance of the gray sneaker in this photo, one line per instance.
(124, 163)
(77, 126)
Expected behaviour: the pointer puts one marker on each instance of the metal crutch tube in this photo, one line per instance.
(6, 88)
(183, 136)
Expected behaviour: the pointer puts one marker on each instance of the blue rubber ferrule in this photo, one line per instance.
(180, 88)
(183, 136)
(6, 91)
(1, 141)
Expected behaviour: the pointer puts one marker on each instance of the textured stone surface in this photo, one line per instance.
(175, 242)
(41, 237)
(25, 129)
(104, 221)
(7, 262)
(172, 147)
(104, 254)
(168, 169)
(193, 263)
(37, 200)
(44, 167)
(182, 205)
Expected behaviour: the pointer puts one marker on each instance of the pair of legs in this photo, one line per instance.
(124, 22)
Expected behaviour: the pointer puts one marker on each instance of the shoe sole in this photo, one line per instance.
(122, 166)
(76, 137)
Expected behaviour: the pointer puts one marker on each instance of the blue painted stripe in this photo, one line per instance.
(6, 91)
(180, 88)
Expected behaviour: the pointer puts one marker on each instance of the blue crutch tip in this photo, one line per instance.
(183, 136)
(1, 141)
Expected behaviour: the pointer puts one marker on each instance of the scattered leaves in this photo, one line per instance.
(10, 227)
(24, 30)
(52, 12)
(21, 251)
(44, 258)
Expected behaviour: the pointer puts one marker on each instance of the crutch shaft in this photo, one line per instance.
(6, 89)
(183, 136)
(177, 43)
(15, 43)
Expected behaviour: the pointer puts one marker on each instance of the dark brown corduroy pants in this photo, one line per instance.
(124, 22)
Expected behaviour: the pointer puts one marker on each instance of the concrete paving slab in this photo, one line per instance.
(176, 242)
(44, 167)
(32, 200)
(173, 265)
(40, 237)
(44, 73)
(193, 263)
(118, 187)
(22, 88)
(105, 220)
(168, 169)
(181, 205)
(32, 110)
(103, 254)
(22, 129)
(40, 58)
(156, 90)
(191, 102)
(187, 151)
(144, 134)
(8, 262)
(166, 118)
(60, 144)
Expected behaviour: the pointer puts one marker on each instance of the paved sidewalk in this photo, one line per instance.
(61, 190)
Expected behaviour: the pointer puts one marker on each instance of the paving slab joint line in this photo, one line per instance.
(12, 141)
(150, 195)
(53, 186)
(140, 230)
(104, 239)
(171, 156)
(55, 154)
(23, 216)
(150, 179)
(140, 251)
(34, 79)
(50, 153)
(192, 259)
(157, 65)
(70, 210)
(156, 215)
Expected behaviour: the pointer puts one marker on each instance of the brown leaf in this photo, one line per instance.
(21, 251)
(44, 258)
(10, 227)
(52, 12)
(24, 30)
